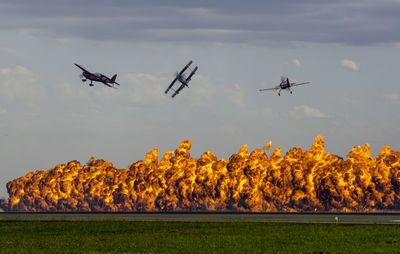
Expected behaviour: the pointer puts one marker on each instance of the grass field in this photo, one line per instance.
(194, 237)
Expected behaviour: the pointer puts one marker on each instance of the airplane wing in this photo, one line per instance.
(191, 75)
(108, 85)
(267, 89)
(178, 90)
(299, 84)
(184, 68)
(83, 69)
(172, 83)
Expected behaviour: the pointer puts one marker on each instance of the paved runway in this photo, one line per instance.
(340, 218)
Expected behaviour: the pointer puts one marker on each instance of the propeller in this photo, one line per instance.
(83, 78)
(283, 79)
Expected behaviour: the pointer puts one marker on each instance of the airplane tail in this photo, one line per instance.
(114, 78)
(287, 81)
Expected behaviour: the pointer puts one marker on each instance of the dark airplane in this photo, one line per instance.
(181, 78)
(97, 77)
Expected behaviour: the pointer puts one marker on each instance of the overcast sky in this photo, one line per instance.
(348, 50)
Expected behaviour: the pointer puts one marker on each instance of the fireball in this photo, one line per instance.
(313, 180)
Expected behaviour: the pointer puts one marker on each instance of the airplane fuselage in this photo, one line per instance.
(182, 79)
(96, 77)
(284, 84)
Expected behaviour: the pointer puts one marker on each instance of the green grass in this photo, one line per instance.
(192, 237)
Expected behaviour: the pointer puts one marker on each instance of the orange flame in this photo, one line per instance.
(309, 181)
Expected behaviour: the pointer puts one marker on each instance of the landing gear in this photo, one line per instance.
(83, 80)
(90, 84)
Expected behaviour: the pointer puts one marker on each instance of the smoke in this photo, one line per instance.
(3, 204)
(312, 180)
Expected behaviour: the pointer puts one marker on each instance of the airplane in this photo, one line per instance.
(181, 78)
(97, 77)
(285, 84)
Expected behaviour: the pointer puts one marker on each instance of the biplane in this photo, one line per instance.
(97, 77)
(285, 84)
(182, 79)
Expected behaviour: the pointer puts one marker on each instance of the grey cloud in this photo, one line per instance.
(347, 22)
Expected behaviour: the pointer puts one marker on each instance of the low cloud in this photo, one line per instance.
(227, 129)
(349, 64)
(11, 51)
(305, 111)
(296, 62)
(18, 83)
(201, 91)
(146, 88)
(257, 114)
(395, 98)
(237, 96)
(84, 91)
(3, 112)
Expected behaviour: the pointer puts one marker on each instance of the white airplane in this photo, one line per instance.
(285, 84)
